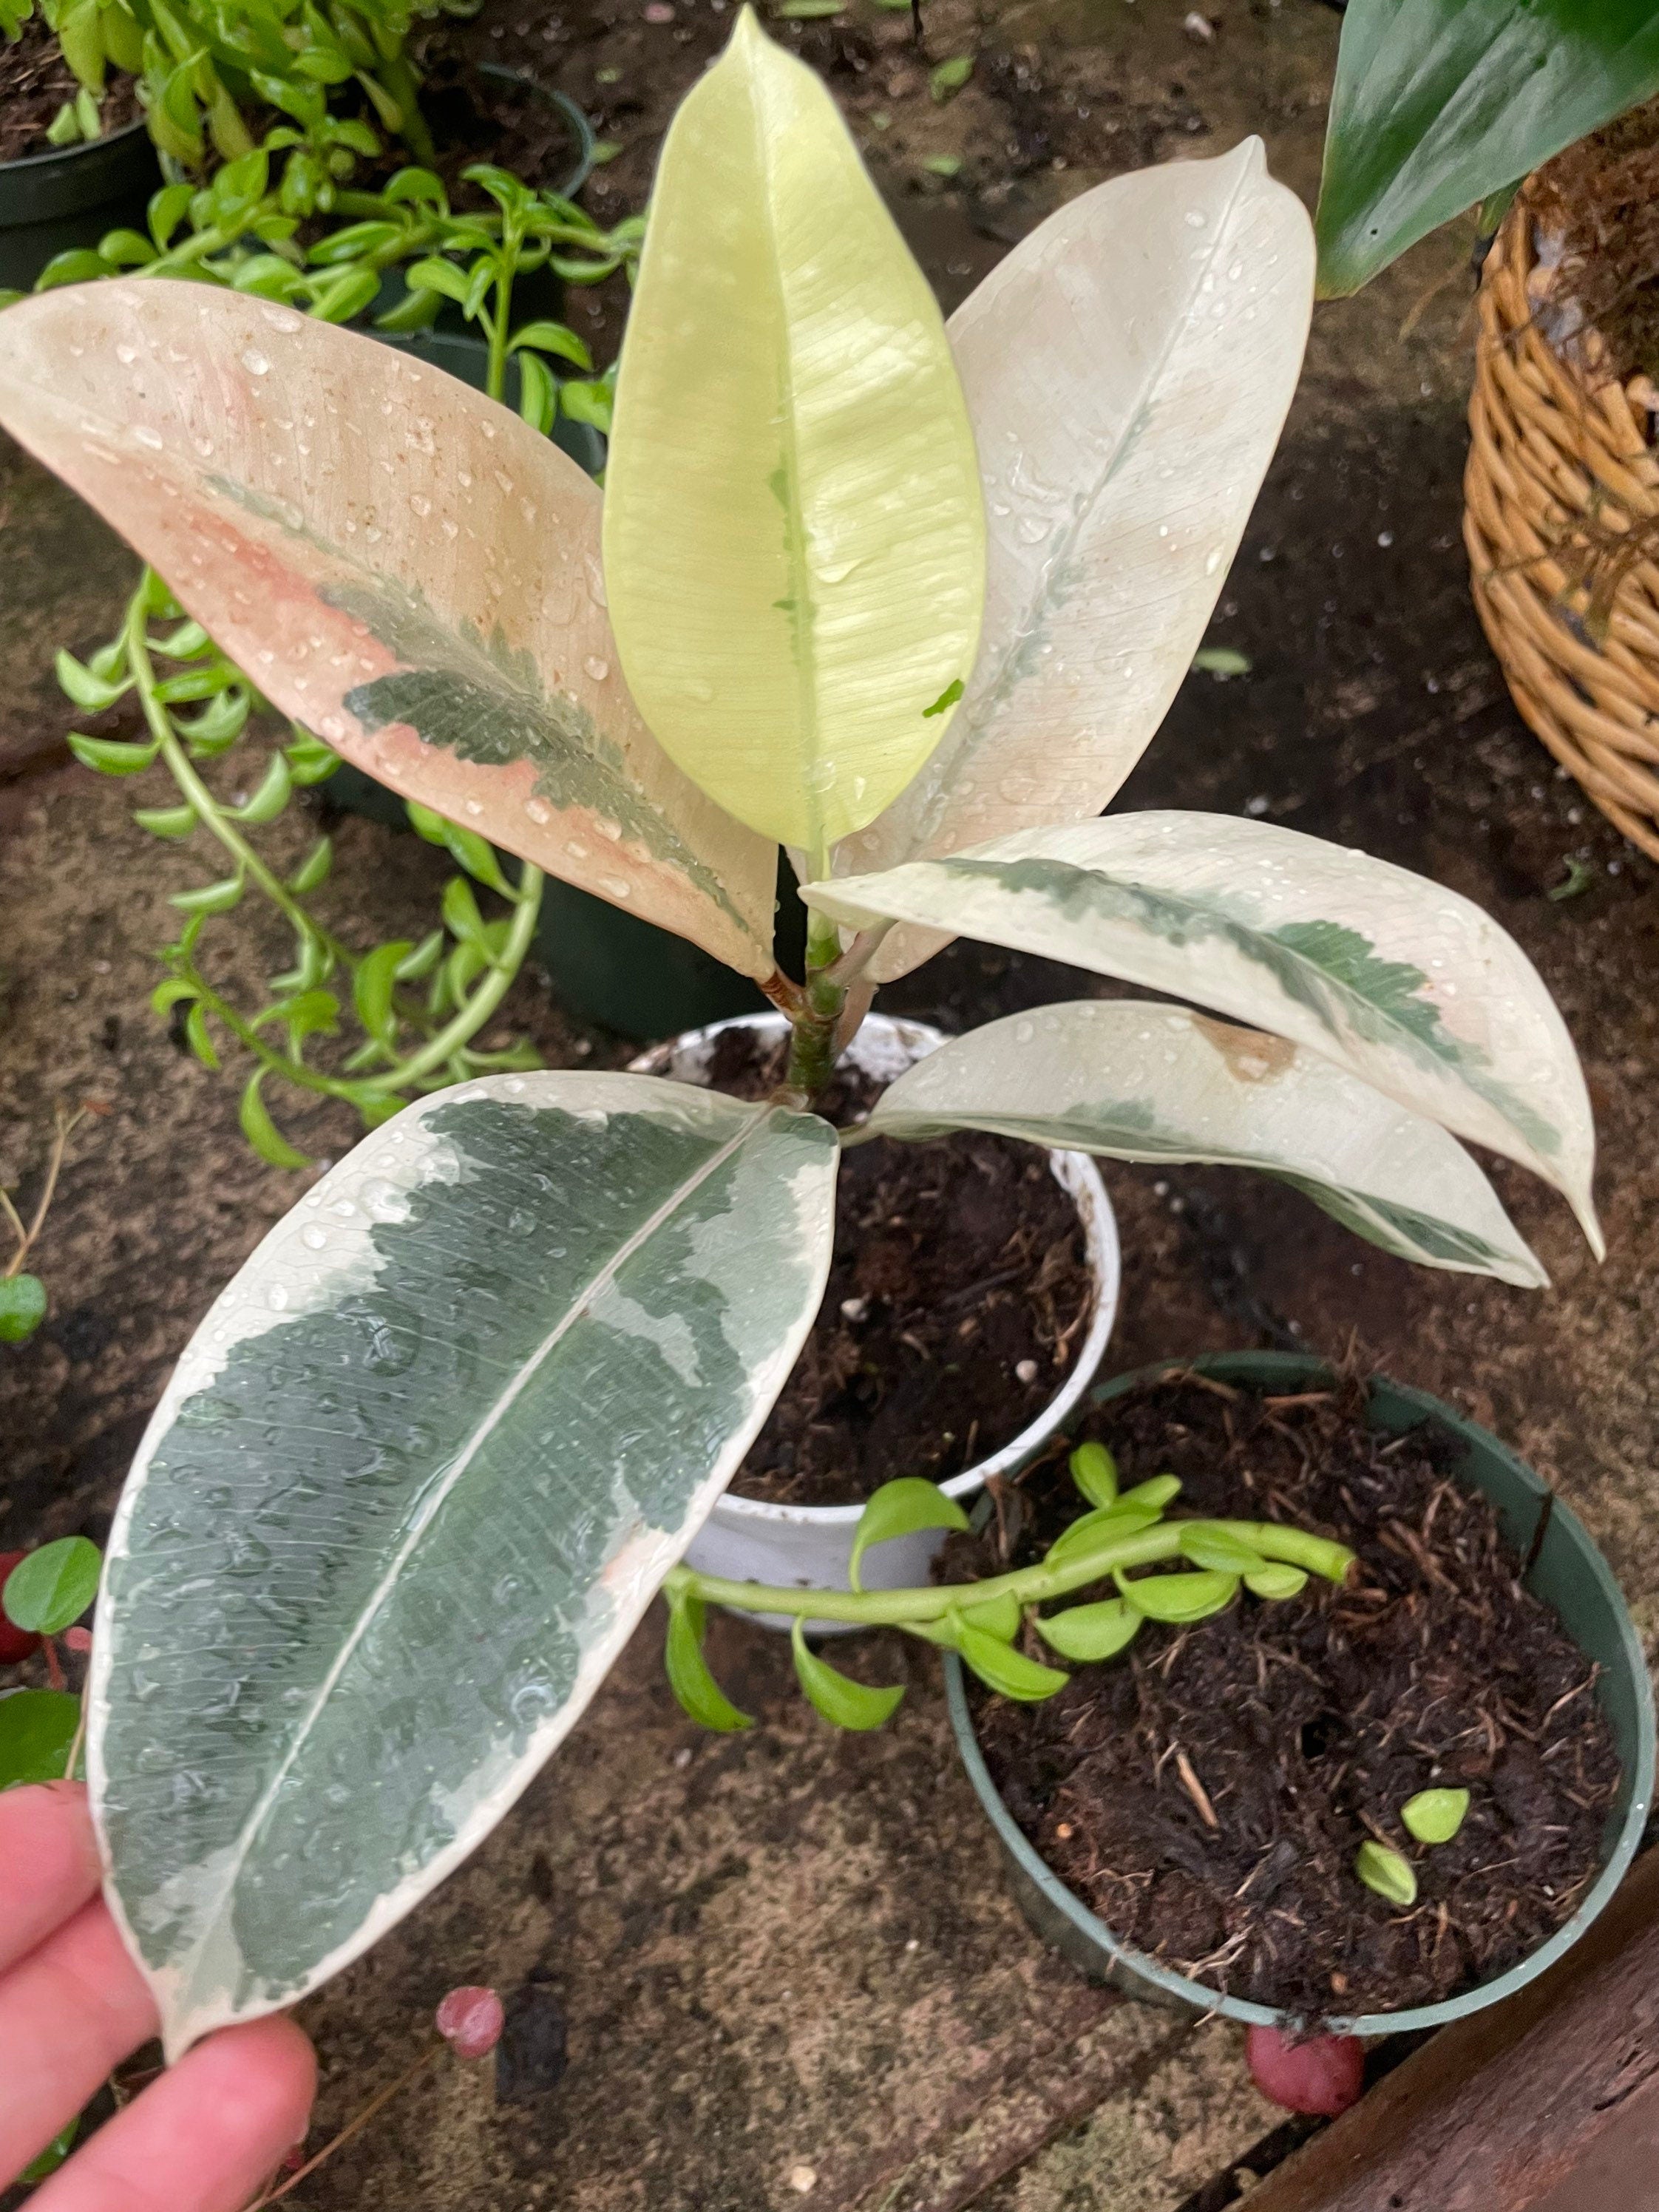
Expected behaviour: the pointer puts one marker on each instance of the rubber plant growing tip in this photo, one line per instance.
(912, 600)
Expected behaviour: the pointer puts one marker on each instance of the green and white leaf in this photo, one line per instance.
(416, 1479)
(794, 533)
(1127, 369)
(1405, 984)
(1157, 1083)
(399, 563)
(1439, 103)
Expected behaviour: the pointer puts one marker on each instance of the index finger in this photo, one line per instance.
(51, 1861)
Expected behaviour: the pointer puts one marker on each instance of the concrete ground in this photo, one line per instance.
(790, 1972)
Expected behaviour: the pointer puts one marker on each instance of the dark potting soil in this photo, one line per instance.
(1595, 218)
(35, 81)
(1206, 1794)
(959, 1296)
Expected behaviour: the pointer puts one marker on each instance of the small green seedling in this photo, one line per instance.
(1095, 1473)
(49, 1589)
(1387, 1873)
(1434, 1816)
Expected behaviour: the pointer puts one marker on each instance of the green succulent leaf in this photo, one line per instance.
(1387, 1874)
(1434, 1816)
(1000, 1617)
(899, 1509)
(1152, 1495)
(166, 820)
(261, 1132)
(111, 756)
(688, 1675)
(22, 1306)
(1207, 1545)
(1180, 1597)
(63, 2142)
(49, 1588)
(1274, 1579)
(1008, 1672)
(1106, 1524)
(1090, 1632)
(844, 1703)
(1094, 1470)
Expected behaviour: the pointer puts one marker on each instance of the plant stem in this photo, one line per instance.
(1027, 1585)
(26, 1238)
(376, 2104)
(812, 1047)
(482, 1003)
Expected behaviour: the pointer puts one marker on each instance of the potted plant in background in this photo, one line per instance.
(1439, 105)
(544, 1316)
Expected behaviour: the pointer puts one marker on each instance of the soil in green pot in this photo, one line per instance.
(35, 81)
(959, 1296)
(1205, 1793)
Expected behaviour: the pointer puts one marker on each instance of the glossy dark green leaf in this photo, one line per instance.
(1094, 1470)
(1438, 103)
(689, 1676)
(37, 1730)
(1003, 1670)
(49, 1588)
(1179, 1597)
(22, 1306)
(899, 1509)
(843, 1702)
(1092, 1631)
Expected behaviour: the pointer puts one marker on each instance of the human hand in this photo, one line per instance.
(203, 2136)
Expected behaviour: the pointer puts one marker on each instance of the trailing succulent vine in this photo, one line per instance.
(410, 1011)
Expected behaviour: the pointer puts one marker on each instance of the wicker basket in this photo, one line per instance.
(1560, 469)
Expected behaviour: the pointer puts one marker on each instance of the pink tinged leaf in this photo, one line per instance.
(399, 563)
(1323, 2074)
(78, 1639)
(471, 2020)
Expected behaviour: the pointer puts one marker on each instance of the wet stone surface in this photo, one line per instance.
(787, 1968)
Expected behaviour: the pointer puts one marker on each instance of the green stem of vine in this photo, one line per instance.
(1027, 1585)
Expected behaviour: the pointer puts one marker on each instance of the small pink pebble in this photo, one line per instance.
(78, 1639)
(471, 2020)
(658, 12)
(1323, 2074)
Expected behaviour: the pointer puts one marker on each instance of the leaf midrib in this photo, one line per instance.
(433, 1501)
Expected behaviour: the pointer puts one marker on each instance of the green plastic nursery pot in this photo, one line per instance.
(1569, 1574)
(71, 196)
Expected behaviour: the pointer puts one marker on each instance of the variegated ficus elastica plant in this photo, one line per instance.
(906, 600)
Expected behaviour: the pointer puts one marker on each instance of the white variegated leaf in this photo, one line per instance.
(1128, 368)
(1407, 985)
(1154, 1083)
(413, 1484)
(397, 561)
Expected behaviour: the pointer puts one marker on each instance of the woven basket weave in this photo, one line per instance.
(1559, 472)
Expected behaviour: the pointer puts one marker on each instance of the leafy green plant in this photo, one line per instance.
(1440, 104)
(1434, 1816)
(22, 1295)
(1387, 1873)
(415, 1008)
(457, 1420)
(981, 1621)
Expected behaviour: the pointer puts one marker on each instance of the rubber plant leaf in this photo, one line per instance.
(1398, 980)
(412, 1484)
(1156, 1084)
(400, 564)
(1127, 369)
(1439, 103)
(794, 533)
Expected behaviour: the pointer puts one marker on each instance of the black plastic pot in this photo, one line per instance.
(1566, 1571)
(71, 196)
(539, 294)
(606, 966)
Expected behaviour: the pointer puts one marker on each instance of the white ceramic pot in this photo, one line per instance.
(808, 1547)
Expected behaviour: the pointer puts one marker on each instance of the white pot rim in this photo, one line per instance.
(907, 1040)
